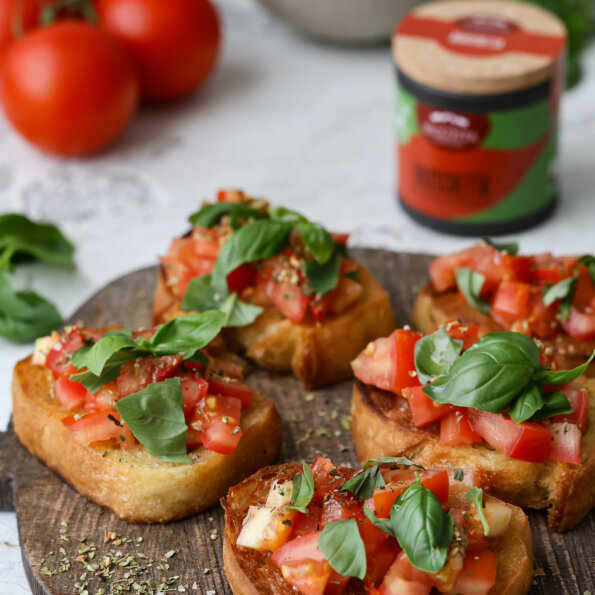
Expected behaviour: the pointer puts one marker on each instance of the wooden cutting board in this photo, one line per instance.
(65, 538)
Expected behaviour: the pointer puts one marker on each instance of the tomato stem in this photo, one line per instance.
(83, 8)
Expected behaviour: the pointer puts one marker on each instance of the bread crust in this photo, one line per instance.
(316, 354)
(431, 309)
(381, 426)
(132, 483)
(253, 573)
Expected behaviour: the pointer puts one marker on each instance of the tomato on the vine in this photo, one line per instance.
(69, 88)
(175, 43)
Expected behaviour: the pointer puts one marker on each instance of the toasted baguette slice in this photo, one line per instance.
(431, 309)
(316, 354)
(250, 572)
(381, 426)
(132, 483)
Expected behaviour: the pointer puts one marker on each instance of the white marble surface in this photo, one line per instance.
(307, 125)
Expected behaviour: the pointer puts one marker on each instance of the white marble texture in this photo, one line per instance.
(305, 124)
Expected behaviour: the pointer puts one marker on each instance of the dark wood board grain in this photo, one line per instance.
(51, 515)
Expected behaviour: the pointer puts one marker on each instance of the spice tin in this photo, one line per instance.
(478, 90)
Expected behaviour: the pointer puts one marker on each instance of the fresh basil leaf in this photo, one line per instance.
(553, 378)
(393, 461)
(342, 546)
(509, 248)
(363, 483)
(475, 495)
(470, 283)
(25, 315)
(286, 215)
(555, 403)
(184, 335)
(238, 313)
(324, 277)
(156, 418)
(317, 240)
(489, 375)
(422, 528)
(23, 239)
(96, 356)
(202, 295)
(93, 382)
(559, 291)
(435, 353)
(382, 524)
(255, 241)
(527, 403)
(210, 214)
(589, 261)
(303, 490)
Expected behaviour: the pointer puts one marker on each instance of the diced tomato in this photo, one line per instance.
(326, 478)
(307, 523)
(380, 560)
(424, 410)
(579, 400)
(475, 533)
(455, 429)
(137, 375)
(69, 394)
(241, 278)
(403, 578)
(527, 441)
(337, 583)
(59, 358)
(228, 368)
(194, 439)
(388, 363)
(397, 481)
(303, 565)
(340, 238)
(231, 388)
(547, 270)
(218, 418)
(541, 320)
(566, 443)
(581, 320)
(193, 390)
(467, 332)
(510, 303)
(478, 574)
(340, 506)
(205, 242)
(288, 299)
(104, 398)
(320, 306)
(99, 426)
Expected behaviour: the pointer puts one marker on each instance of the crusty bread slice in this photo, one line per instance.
(432, 309)
(132, 483)
(381, 426)
(250, 572)
(316, 354)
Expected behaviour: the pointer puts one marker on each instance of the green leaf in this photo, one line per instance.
(23, 239)
(422, 528)
(382, 524)
(324, 277)
(303, 490)
(404, 461)
(470, 283)
(527, 403)
(564, 290)
(589, 261)
(286, 215)
(95, 357)
(555, 403)
(364, 482)
(25, 315)
(435, 353)
(342, 545)
(238, 313)
(317, 240)
(475, 495)
(553, 378)
(156, 418)
(93, 382)
(489, 375)
(202, 295)
(210, 214)
(509, 248)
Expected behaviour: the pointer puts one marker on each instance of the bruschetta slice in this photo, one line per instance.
(295, 301)
(495, 404)
(391, 528)
(154, 425)
(546, 297)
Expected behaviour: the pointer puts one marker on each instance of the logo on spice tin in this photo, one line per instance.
(450, 129)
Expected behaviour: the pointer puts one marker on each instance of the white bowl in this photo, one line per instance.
(343, 21)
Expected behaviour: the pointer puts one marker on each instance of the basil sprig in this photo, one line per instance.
(435, 353)
(563, 290)
(470, 283)
(341, 544)
(475, 495)
(554, 403)
(303, 490)
(527, 404)
(422, 528)
(210, 214)
(184, 336)
(508, 248)
(555, 377)
(156, 418)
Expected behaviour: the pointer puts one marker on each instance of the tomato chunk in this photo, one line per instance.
(69, 394)
(566, 443)
(455, 429)
(478, 574)
(403, 578)
(579, 400)
(511, 303)
(59, 358)
(231, 388)
(99, 426)
(326, 478)
(424, 410)
(466, 332)
(193, 390)
(137, 375)
(241, 278)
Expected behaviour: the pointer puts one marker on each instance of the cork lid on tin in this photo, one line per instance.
(479, 46)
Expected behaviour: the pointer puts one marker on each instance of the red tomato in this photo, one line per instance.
(527, 441)
(218, 418)
(541, 320)
(306, 523)
(581, 321)
(547, 270)
(511, 303)
(474, 530)
(566, 443)
(194, 389)
(241, 278)
(326, 478)
(175, 43)
(455, 429)
(69, 394)
(85, 89)
(99, 426)
(303, 565)
(380, 560)
(104, 398)
(388, 362)
(16, 16)
(478, 574)
(228, 368)
(288, 299)
(579, 400)
(231, 388)
(59, 358)
(137, 375)
(467, 332)
(403, 578)
(424, 410)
